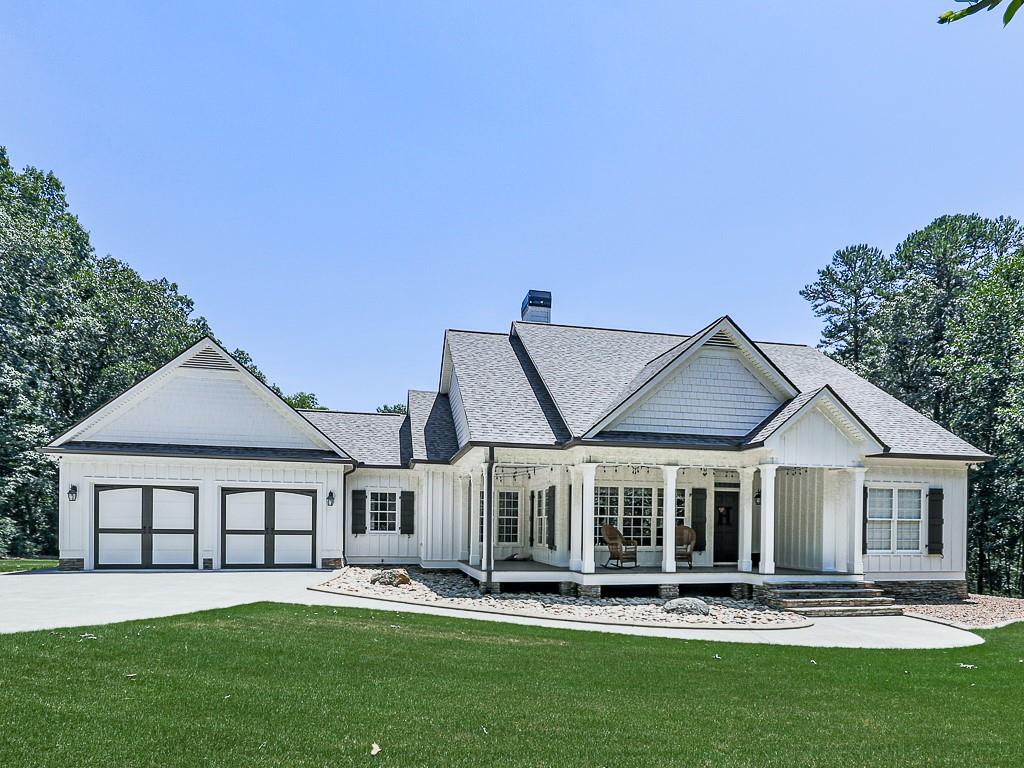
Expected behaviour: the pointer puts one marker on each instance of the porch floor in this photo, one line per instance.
(533, 571)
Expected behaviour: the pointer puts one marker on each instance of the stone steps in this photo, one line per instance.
(830, 599)
(828, 602)
(851, 610)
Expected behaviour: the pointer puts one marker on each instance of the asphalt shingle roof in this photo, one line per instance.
(504, 398)
(433, 431)
(587, 370)
(380, 439)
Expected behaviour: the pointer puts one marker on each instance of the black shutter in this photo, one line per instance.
(699, 516)
(408, 512)
(358, 511)
(549, 499)
(533, 501)
(864, 525)
(935, 498)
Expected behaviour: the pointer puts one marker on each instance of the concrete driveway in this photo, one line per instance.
(48, 599)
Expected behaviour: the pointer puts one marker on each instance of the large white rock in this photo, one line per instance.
(689, 605)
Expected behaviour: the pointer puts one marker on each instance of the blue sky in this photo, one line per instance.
(334, 184)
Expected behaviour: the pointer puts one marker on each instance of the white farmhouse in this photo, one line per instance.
(782, 465)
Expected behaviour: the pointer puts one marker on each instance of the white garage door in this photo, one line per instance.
(262, 529)
(146, 527)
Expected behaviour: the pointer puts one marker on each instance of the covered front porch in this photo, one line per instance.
(755, 524)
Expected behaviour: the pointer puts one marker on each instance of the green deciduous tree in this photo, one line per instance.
(75, 330)
(396, 408)
(982, 5)
(945, 334)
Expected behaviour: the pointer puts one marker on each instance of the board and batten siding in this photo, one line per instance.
(77, 518)
(458, 411)
(952, 563)
(201, 407)
(815, 441)
(713, 394)
(443, 539)
(395, 547)
(799, 522)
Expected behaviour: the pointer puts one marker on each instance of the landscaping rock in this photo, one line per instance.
(393, 577)
(691, 606)
(453, 589)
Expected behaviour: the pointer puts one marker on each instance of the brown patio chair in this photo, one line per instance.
(620, 550)
(686, 540)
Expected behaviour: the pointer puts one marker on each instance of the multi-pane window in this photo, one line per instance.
(894, 519)
(636, 511)
(540, 537)
(638, 514)
(383, 512)
(606, 509)
(508, 517)
(481, 526)
(659, 537)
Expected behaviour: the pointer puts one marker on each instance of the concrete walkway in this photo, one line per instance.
(47, 600)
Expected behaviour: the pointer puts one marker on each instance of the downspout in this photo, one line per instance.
(489, 533)
(344, 509)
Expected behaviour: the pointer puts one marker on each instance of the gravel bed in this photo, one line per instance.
(453, 589)
(976, 612)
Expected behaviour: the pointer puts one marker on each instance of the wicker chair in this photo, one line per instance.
(620, 550)
(686, 540)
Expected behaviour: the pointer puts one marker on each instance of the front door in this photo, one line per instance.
(726, 516)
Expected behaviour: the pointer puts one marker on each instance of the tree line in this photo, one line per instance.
(76, 329)
(939, 324)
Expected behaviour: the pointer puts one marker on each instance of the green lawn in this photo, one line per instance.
(282, 685)
(6, 566)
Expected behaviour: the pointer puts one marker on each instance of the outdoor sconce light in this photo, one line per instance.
(72, 492)
(330, 499)
(757, 498)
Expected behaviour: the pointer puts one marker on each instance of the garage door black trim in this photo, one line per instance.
(268, 531)
(147, 530)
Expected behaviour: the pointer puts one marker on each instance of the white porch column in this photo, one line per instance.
(475, 479)
(465, 500)
(576, 520)
(587, 528)
(855, 537)
(767, 565)
(668, 537)
(746, 518)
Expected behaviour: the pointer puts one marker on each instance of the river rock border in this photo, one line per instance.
(455, 590)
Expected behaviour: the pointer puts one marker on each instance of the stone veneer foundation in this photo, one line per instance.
(668, 591)
(925, 591)
(590, 590)
(334, 563)
(71, 564)
(739, 591)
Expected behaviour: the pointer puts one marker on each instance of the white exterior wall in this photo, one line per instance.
(799, 519)
(201, 407)
(443, 538)
(385, 547)
(814, 441)
(76, 519)
(952, 563)
(714, 394)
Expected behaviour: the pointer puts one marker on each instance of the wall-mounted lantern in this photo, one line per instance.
(330, 499)
(757, 498)
(72, 492)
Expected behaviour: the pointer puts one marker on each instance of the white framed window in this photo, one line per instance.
(606, 509)
(894, 519)
(383, 512)
(659, 537)
(638, 514)
(635, 510)
(540, 518)
(508, 517)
